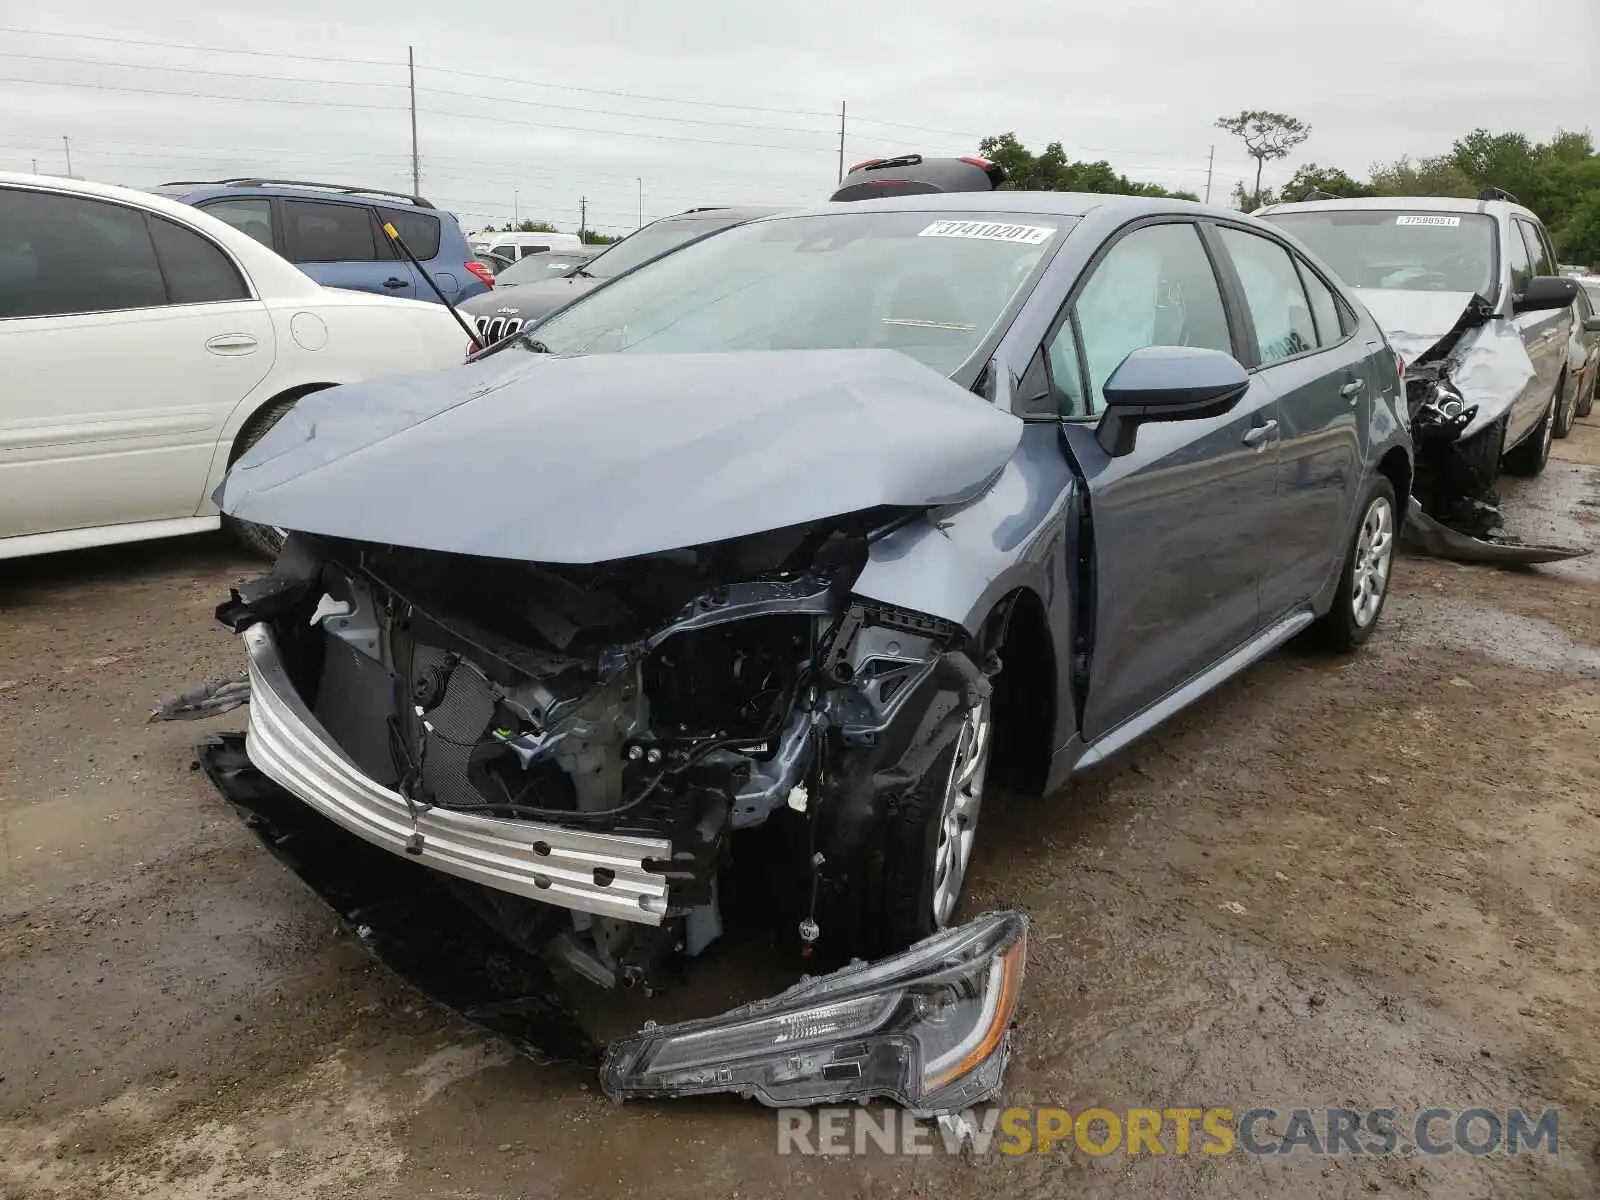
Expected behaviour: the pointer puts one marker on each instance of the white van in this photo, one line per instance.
(517, 246)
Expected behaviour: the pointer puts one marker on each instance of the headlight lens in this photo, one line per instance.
(927, 1028)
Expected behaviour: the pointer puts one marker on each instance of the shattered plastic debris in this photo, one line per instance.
(1422, 532)
(210, 699)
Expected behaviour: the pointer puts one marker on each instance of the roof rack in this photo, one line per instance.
(1494, 193)
(253, 181)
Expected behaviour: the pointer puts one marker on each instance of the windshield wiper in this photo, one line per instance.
(534, 344)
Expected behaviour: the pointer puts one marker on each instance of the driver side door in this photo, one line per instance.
(1179, 524)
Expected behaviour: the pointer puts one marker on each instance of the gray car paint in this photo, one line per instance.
(582, 460)
(1188, 494)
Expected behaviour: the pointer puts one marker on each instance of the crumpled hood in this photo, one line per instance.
(1490, 366)
(1414, 321)
(578, 460)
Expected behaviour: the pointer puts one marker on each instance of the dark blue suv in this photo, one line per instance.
(335, 233)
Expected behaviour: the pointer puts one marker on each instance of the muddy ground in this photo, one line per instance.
(1365, 882)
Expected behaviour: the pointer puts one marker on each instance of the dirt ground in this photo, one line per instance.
(1365, 882)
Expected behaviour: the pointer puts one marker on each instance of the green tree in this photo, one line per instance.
(1437, 176)
(1329, 181)
(1267, 136)
(1578, 239)
(590, 238)
(527, 226)
(1052, 171)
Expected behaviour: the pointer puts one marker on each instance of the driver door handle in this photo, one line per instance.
(1261, 435)
(394, 282)
(1352, 389)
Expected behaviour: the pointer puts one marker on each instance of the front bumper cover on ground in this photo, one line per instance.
(1422, 532)
(928, 1028)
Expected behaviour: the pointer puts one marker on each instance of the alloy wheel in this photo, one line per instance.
(1374, 556)
(958, 815)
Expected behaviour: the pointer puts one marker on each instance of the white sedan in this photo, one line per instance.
(145, 345)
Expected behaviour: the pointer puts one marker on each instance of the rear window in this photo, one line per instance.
(1393, 249)
(321, 232)
(419, 229)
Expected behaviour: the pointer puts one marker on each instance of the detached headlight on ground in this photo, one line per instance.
(928, 1028)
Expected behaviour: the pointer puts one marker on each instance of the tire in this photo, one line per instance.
(1583, 405)
(1364, 581)
(927, 841)
(1566, 409)
(1529, 456)
(264, 541)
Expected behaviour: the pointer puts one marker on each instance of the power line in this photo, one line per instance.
(664, 137)
(122, 41)
(56, 58)
(109, 87)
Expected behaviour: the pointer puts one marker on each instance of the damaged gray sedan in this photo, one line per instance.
(732, 586)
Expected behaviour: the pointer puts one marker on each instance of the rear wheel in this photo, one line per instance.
(263, 540)
(1364, 582)
(1566, 409)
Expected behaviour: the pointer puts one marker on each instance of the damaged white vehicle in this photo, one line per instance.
(1468, 294)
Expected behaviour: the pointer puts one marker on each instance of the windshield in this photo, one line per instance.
(647, 243)
(538, 266)
(1392, 249)
(930, 285)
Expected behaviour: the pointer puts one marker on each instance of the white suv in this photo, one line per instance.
(145, 345)
(1467, 292)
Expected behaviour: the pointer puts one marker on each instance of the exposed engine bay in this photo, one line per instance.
(679, 700)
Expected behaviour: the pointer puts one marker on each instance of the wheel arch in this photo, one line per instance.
(249, 424)
(1017, 632)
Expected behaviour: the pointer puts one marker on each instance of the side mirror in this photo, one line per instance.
(1546, 291)
(1167, 383)
(1591, 324)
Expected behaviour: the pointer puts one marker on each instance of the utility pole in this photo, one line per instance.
(841, 141)
(1209, 161)
(583, 216)
(66, 144)
(516, 207)
(36, 166)
(416, 164)
(640, 179)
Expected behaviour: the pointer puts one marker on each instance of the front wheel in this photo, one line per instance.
(1364, 582)
(1584, 403)
(1529, 456)
(928, 839)
(265, 541)
(1566, 409)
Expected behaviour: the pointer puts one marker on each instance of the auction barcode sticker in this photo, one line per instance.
(1419, 219)
(990, 231)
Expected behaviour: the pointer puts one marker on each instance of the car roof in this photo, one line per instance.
(1052, 204)
(1440, 204)
(304, 189)
(723, 212)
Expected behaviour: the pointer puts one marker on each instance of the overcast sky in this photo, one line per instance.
(712, 101)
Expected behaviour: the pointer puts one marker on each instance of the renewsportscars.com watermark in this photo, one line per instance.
(1375, 1132)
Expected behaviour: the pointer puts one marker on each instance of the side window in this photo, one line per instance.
(420, 231)
(1066, 380)
(1279, 309)
(1155, 288)
(1543, 264)
(1521, 262)
(197, 271)
(1325, 308)
(247, 216)
(321, 232)
(69, 254)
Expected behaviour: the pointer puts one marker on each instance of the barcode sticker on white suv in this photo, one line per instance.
(1419, 219)
(990, 231)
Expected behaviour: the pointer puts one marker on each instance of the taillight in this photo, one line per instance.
(481, 271)
(976, 161)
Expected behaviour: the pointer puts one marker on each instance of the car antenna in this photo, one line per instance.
(394, 236)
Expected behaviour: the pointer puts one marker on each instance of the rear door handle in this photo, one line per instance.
(1261, 435)
(231, 343)
(393, 282)
(1352, 389)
